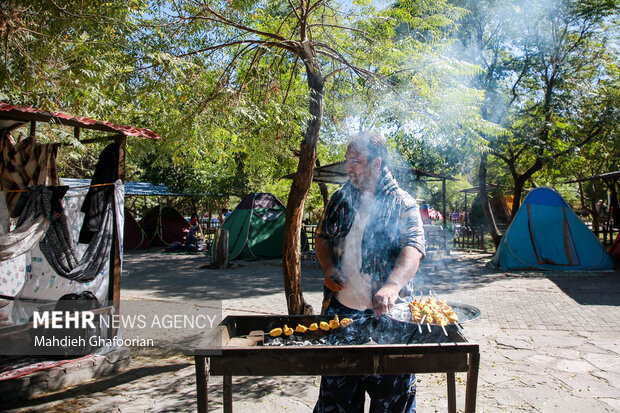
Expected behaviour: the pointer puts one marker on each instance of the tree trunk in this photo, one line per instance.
(323, 188)
(299, 191)
(520, 180)
(484, 200)
(517, 192)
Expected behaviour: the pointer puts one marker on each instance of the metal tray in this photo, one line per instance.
(465, 312)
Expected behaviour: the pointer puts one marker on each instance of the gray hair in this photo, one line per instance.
(371, 143)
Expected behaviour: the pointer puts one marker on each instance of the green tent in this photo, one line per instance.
(256, 229)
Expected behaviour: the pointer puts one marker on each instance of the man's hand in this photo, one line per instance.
(385, 299)
(333, 280)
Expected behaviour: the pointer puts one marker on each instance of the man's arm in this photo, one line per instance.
(405, 268)
(408, 261)
(331, 276)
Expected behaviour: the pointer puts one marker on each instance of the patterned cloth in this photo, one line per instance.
(395, 223)
(346, 394)
(57, 245)
(25, 164)
(24, 237)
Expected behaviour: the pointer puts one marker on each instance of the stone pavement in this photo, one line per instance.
(547, 345)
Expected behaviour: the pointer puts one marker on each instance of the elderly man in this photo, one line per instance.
(369, 243)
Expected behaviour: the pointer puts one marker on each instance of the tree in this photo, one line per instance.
(536, 57)
(65, 55)
(327, 42)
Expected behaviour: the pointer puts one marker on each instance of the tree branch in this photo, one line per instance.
(221, 19)
(340, 27)
(294, 10)
(290, 81)
(587, 139)
(333, 72)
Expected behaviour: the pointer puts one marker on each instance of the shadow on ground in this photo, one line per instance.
(181, 276)
(456, 272)
(597, 290)
(71, 396)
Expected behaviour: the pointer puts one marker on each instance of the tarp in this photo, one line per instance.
(131, 187)
(256, 228)
(163, 226)
(135, 237)
(546, 234)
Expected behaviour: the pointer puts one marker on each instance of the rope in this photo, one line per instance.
(72, 187)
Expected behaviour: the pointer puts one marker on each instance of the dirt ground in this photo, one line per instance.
(547, 344)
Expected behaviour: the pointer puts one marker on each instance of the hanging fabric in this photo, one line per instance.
(41, 280)
(99, 197)
(57, 245)
(25, 164)
(24, 237)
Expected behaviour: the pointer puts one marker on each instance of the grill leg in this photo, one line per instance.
(450, 379)
(228, 394)
(202, 390)
(472, 383)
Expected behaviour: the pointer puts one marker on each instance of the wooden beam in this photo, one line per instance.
(33, 129)
(114, 288)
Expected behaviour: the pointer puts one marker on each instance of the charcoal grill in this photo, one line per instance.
(237, 350)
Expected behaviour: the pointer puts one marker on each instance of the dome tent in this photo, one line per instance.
(256, 228)
(546, 234)
(134, 236)
(163, 226)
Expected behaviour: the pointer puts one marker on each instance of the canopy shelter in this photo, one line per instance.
(335, 173)
(131, 187)
(611, 179)
(13, 117)
(606, 176)
(473, 191)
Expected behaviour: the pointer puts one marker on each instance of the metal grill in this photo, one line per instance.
(238, 350)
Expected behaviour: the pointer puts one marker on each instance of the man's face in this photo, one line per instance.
(358, 168)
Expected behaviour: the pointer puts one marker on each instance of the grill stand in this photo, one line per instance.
(234, 352)
(424, 366)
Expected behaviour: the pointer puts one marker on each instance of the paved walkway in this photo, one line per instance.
(547, 345)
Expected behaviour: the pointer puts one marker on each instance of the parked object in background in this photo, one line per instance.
(429, 214)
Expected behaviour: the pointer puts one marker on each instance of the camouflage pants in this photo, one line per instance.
(347, 394)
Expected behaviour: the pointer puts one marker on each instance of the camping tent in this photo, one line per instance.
(614, 250)
(546, 234)
(134, 236)
(256, 228)
(163, 226)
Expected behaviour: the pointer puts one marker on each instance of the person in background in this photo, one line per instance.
(601, 208)
(370, 242)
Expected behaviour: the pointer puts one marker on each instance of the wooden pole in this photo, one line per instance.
(228, 394)
(451, 379)
(445, 243)
(202, 385)
(114, 288)
(33, 129)
(472, 382)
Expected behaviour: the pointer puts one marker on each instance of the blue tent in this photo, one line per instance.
(546, 234)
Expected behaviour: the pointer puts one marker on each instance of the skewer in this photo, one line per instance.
(429, 328)
(444, 331)
(420, 327)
